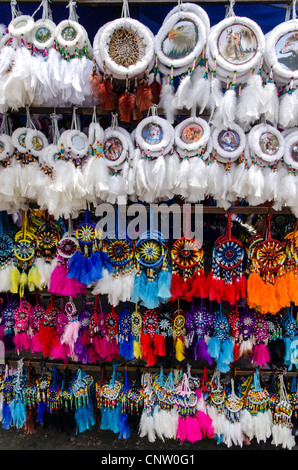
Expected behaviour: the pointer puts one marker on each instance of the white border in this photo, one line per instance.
(101, 50)
(193, 8)
(15, 139)
(224, 64)
(24, 30)
(270, 56)
(80, 38)
(192, 149)
(28, 141)
(224, 155)
(254, 139)
(290, 140)
(48, 24)
(167, 26)
(168, 136)
(116, 132)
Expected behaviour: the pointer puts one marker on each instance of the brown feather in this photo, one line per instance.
(107, 97)
(155, 87)
(126, 103)
(144, 96)
(95, 79)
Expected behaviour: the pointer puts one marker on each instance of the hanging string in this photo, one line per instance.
(294, 10)
(125, 9)
(230, 9)
(14, 9)
(114, 120)
(29, 122)
(55, 128)
(152, 111)
(46, 12)
(4, 129)
(72, 11)
(288, 13)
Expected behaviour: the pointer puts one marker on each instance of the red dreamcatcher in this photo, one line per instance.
(151, 341)
(226, 280)
(188, 276)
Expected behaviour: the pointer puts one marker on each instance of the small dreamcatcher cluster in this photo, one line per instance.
(179, 405)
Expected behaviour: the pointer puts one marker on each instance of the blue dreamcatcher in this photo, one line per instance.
(87, 263)
(152, 285)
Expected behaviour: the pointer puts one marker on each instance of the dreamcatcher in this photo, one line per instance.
(165, 349)
(188, 276)
(266, 289)
(125, 337)
(124, 51)
(37, 314)
(95, 170)
(24, 273)
(228, 148)
(154, 141)
(118, 153)
(71, 40)
(7, 327)
(22, 337)
(194, 424)
(150, 338)
(83, 389)
(235, 51)
(246, 332)
(199, 328)
(71, 330)
(108, 400)
(180, 50)
(112, 330)
(29, 143)
(220, 346)
(192, 148)
(233, 318)
(267, 147)
(60, 284)
(47, 239)
(86, 265)
(86, 317)
(261, 355)
(226, 281)
(165, 413)
(281, 418)
(256, 418)
(279, 60)
(46, 339)
(118, 276)
(153, 276)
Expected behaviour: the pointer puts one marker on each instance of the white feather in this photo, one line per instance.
(287, 110)
(166, 101)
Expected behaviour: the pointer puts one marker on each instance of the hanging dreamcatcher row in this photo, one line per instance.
(232, 70)
(62, 172)
(178, 405)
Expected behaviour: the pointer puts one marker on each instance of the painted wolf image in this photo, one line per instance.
(289, 52)
(240, 44)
